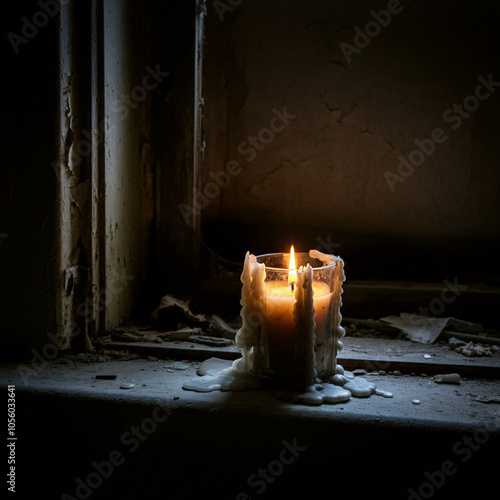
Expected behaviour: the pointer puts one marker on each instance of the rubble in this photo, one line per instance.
(472, 349)
(487, 399)
(175, 312)
(127, 386)
(426, 329)
(449, 378)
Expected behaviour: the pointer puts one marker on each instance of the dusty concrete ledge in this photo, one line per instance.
(193, 445)
(368, 353)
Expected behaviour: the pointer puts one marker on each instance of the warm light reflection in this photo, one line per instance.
(292, 270)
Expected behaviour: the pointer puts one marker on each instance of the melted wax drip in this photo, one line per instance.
(220, 375)
(340, 388)
(303, 311)
(226, 380)
(253, 297)
(241, 374)
(214, 377)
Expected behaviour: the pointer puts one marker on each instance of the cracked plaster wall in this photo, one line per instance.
(324, 173)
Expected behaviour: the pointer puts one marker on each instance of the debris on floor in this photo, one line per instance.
(454, 342)
(357, 327)
(472, 349)
(210, 341)
(487, 399)
(132, 335)
(100, 356)
(127, 386)
(176, 312)
(178, 365)
(448, 378)
(220, 328)
(177, 318)
(426, 329)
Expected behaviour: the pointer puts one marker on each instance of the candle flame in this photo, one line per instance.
(292, 270)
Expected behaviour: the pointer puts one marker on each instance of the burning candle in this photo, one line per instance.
(291, 316)
(279, 322)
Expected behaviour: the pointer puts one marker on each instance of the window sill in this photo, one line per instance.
(212, 442)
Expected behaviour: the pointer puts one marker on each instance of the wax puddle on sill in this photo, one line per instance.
(226, 380)
(216, 374)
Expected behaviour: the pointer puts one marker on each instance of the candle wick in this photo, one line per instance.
(292, 286)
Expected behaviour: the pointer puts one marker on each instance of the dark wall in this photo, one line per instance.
(27, 181)
(327, 179)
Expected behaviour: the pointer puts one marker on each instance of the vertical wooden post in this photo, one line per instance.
(98, 237)
(179, 136)
(198, 129)
(78, 170)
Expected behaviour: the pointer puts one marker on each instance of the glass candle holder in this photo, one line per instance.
(292, 319)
